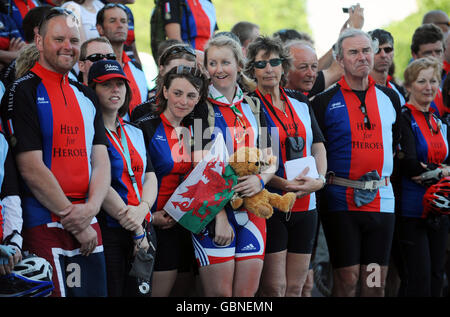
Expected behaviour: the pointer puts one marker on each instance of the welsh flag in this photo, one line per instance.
(205, 191)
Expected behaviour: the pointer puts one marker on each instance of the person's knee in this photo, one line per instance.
(273, 289)
(309, 284)
(294, 290)
(346, 279)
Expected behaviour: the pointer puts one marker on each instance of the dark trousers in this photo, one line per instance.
(118, 248)
(422, 256)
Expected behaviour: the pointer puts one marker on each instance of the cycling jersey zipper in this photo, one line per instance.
(61, 84)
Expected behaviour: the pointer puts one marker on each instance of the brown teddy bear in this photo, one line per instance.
(248, 161)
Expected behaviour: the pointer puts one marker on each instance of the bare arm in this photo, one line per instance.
(81, 215)
(173, 31)
(42, 182)
(132, 217)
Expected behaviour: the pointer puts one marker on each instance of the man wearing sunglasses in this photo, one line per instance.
(58, 139)
(91, 51)
(383, 60)
(360, 121)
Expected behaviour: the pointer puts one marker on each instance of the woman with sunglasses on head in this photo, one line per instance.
(425, 143)
(290, 236)
(231, 252)
(172, 56)
(125, 211)
(168, 133)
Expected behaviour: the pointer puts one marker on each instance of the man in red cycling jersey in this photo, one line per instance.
(59, 143)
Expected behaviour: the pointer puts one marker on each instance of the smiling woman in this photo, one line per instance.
(425, 146)
(168, 132)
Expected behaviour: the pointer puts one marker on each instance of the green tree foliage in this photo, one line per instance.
(274, 15)
(402, 31)
(271, 16)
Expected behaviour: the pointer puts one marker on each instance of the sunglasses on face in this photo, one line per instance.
(98, 57)
(273, 62)
(386, 49)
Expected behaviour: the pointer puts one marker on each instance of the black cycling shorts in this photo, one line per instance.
(174, 249)
(355, 237)
(294, 232)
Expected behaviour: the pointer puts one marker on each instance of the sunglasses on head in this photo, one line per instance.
(184, 70)
(98, 57)
(115, 5)
(386, 49)
(173, 50)
(57, 11)
(273, 62)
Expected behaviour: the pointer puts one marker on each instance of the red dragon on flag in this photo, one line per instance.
(203, 193)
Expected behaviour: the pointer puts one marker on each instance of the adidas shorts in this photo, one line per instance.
(249, 241)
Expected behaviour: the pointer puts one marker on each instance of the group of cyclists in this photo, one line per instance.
(87, 170)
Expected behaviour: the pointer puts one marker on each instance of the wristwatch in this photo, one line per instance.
(323, 179)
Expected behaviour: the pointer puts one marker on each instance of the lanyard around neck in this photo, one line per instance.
(271, 109)
(126, 155)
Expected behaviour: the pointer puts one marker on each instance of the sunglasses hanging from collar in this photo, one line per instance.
(294, 144)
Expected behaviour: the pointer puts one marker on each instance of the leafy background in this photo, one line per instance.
(278, 14)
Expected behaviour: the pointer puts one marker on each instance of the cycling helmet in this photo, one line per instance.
(437, 197)
(31, 277)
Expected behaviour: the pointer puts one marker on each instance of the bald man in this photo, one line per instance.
(438, 17)
(304, 74)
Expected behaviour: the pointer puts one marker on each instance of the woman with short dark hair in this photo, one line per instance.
(290, 237)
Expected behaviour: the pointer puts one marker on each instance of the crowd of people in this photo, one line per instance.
(90, 156)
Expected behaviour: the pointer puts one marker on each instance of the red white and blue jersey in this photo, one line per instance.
(140, 162)
(45, 111)
(424, 139)
(197, 19)
(171, 157)
(301, 122)
(8, 31)
(437, 105)
(398, 89)
(235, 120)
(445, 71)
(19, 8)
(130, 37)
(354, 150)
(138, 82)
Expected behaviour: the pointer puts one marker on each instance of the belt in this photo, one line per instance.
(371, 185)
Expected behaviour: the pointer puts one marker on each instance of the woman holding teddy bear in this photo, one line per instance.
(230, 253)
